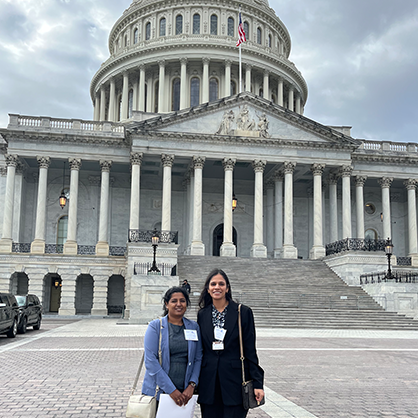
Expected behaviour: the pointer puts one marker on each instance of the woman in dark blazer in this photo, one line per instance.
(220, 393)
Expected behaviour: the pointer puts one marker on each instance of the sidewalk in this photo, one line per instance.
(86, 368)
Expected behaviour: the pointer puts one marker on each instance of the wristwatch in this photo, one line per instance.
(192, 384)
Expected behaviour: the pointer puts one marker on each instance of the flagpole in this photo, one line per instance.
(240, 62)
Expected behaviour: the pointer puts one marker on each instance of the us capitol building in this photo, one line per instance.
(172, 145)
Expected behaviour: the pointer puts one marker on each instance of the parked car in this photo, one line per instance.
(9, 315)
(30, 312)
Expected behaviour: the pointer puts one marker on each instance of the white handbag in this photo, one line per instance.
(143, 406)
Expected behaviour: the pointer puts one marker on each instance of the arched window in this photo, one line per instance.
(260, 92)
(179, 24)
(196, 24)
(156, 91)
(62, 228)
(370, 234)
(194, 91)
(125, 41)
(231, 26)
(273, 98)
(130, 103)
(247, 30)
(269, 41)
(214, 25)
(233, 88)
(136, 33)
(146, 97)
(175, 100)
(162, 26)
(147, 31)
(213, 89)
(259, 36)
(120, 108)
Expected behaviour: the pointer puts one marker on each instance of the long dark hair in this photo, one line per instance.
(205, 298)
(169, 294)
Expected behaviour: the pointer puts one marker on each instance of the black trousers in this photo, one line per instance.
(219, 410)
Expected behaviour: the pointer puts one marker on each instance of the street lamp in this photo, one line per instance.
(155, 239)
(389, 252)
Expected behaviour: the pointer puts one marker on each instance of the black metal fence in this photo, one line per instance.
(397, 277)
(355, 244)
(166, 269)
(24, 248)
(168, 237)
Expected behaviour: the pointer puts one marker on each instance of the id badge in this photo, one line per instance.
(219, 333)
(190, 335)
(217, 345)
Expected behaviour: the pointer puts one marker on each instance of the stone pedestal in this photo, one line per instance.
(6, 245)
(102, 249)
(228, 250)
(70, 247)
(258, 251)
(197, 248)
(317, 252)
(37, 247)
(289, 251)
(414, 260)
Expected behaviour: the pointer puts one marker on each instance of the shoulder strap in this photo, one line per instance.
(142, 362)
(241, 348)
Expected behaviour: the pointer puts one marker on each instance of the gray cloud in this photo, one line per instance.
(358, 57)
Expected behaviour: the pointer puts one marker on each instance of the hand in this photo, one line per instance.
(188, 393)
(259, 394)
(178, 398)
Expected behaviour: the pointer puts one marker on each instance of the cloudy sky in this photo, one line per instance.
(359, 58)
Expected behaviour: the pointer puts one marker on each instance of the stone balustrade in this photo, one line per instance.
(388, 146)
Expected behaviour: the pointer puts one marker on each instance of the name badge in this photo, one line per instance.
(190, 335)
(217, 345)
(220, 333)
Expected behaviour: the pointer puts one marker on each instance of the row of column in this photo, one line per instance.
(294, 101)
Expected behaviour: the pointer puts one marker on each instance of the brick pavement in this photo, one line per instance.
(85, 369)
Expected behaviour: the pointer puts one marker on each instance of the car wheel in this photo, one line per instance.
(13, 330)
(22, 328)
(38, 323)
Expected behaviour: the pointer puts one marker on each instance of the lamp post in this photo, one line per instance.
(234, 202)
(389, 252)
(155, 239)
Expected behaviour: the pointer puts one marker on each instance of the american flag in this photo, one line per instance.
(241, 33)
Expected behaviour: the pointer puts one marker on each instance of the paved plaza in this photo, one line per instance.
(85, 368)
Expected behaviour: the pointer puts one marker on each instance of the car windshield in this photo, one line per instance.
(21, 300)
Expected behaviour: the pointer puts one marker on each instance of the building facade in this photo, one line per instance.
(172, 141)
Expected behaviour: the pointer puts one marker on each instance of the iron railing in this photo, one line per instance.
(404, 261)
(59, 249)
(18, 247)
(397, 277)
(168, 237)
(117, 251)
(355, 244)
(166, 269)
(54, 248)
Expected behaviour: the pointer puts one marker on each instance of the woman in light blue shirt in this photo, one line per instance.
(181, 351)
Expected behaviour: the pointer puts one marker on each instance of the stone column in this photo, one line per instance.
(248, 77)
(6, 240)
(278, 214)
(333, 208)
(136, 161)
(102, 246)
(135, 96)
(385, 183)
(318, 249)
(70, 246)
(112, 114)
(298, 110)
(360, 181)
(141, 104)
(411, 186)
(161, 86)
(38, 244)
(270, 217)
(346, 171)
(191, 209)
(97, 107)
(280, 92)
(36, 281)
(102, 103)
(197, 246)
(289, 250)
(125, 96)
(266, 87)
(183, 83)
(228, 248)
(258, 248)
(167, 162)
(205, 80)
(100, 294)
(69, 281)
(227, 91)
(291, 98)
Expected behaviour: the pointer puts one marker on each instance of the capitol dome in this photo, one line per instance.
(168, 56)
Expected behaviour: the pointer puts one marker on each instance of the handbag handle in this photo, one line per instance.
(241, 348)
(142, 362)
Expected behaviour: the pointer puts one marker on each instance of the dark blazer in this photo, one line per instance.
(226, 363)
